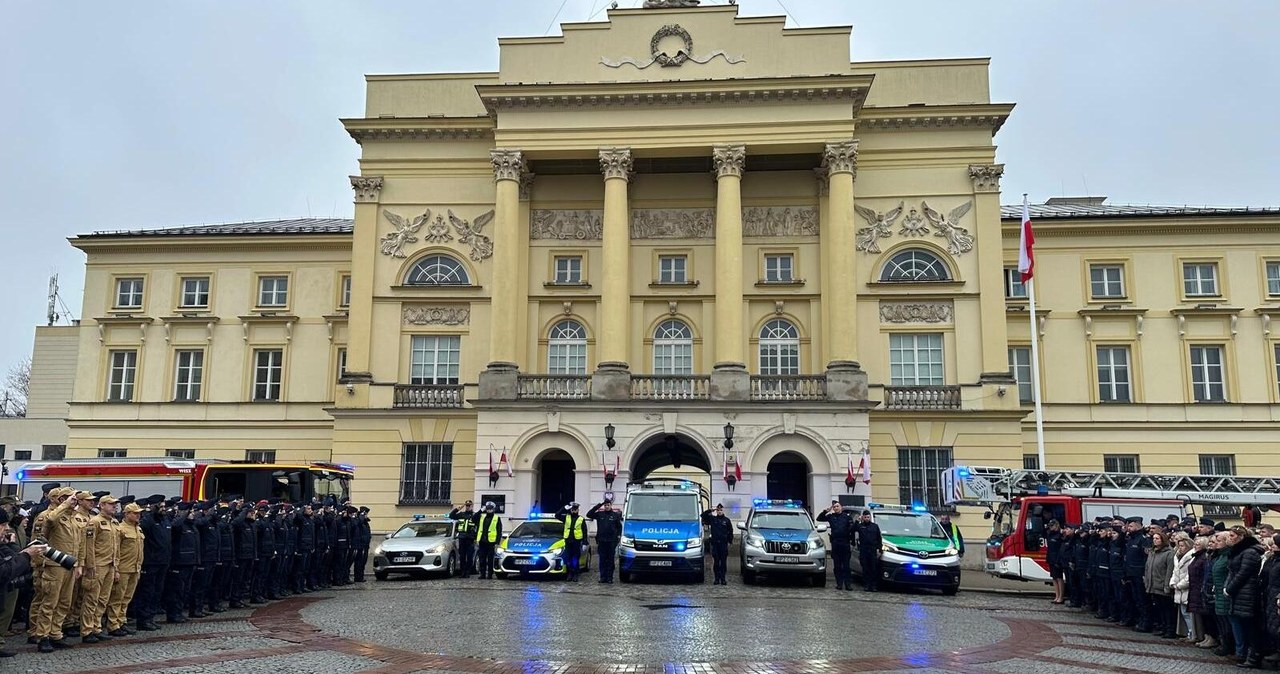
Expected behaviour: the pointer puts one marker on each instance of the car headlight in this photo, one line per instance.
(886, 546)
(755, 540)
(693, 543)
(555, 553)
(628, 541)
(951, 551)
(377, 550)
(435, 550)
(817, 543)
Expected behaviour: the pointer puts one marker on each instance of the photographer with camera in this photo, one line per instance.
(60, 530)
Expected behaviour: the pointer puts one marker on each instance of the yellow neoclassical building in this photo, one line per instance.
(655, 230)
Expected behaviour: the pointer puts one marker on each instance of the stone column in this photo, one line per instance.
(824, 264)
(612, 379)
(729, 378)
(364, 259)
(504, 296)
(989, 242)
(845, 379)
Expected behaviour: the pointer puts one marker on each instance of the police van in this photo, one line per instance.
(780, 538)
(535, 547)
(662, 530)
(916, 551)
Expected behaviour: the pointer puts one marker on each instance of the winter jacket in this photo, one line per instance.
(1243, 584)
(1218, 573)
(1180, 581)
(1158, 571)
(1271, 576)
(1197, 571)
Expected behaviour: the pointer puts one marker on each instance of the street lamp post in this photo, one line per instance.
(610, 443)
(730, 479)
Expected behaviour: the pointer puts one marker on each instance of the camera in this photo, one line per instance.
(56, 556)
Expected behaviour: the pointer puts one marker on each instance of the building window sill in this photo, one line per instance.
(670, 284)
(794, 283)
(557, 284)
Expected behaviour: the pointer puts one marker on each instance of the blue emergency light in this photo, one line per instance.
(542, 516)
(777, 503)
(678, 547)
(920, 508)
(963, 473)
(419, 517)
(874, 506)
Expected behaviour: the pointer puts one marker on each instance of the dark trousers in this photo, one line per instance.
(146, 599)
(261, 573)
(1121, 610)
(301, 571)
(720, 560)
(870, 561)
(467, 556)
(1102, 594)
(1141, 605)
(841, 553)
(218, 584)
(360, 559)
(177, 590)
(242, 580)
(572, 558)
(315, 570)
(338, 567)
(284, 571)
(608, 555)
(200, 581)
(485, 554)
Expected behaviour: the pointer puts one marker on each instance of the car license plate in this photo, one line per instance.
(787, 560)
(525, 562)
(408, 559)
(925, 572)
(659, 562)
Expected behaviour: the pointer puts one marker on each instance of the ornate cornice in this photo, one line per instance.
(841, 157)
(991, 115)
(508, 164)
(915, 312)
(729, 160)
(615, 162)
(367, 188)
(986, 177)
(419, 128)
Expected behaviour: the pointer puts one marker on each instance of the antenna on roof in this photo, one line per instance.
(52, 314)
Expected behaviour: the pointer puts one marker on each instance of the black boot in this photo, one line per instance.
(46, 645)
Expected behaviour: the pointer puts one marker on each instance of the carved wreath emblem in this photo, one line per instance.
(681, 55)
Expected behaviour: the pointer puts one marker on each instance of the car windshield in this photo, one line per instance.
(424, 530)
(540, 529)
(797, 521)
(681, 507)
(906, 524)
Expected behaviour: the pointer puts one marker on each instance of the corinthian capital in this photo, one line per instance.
(729, 159)
(986, 177)
(841, 157)
(615, 162)
(367, 188)
(507, 164)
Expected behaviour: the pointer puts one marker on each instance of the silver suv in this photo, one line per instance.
(780, 538)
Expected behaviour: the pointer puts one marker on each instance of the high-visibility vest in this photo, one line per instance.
(488, 531)
(465, 525)
(576, 527)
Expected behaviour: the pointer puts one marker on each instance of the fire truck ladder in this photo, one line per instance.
(988, 484)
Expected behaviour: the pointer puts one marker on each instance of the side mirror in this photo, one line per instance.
(822, 527)
(742, 526)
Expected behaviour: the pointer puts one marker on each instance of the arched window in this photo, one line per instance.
(437, 270)
(673, 348)
(567, 348)
(779, 348)
(917, 266)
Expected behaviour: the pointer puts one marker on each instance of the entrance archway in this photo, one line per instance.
(788, 478)
(555, 481)
(671, 455)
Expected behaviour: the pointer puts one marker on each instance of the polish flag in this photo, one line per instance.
(491, 461)
(1026, 260)
(849, 478)
(510, 473)
(737, 468)
(864, 467)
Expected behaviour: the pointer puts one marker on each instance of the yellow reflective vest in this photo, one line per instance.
(490, 529)
(575, 528)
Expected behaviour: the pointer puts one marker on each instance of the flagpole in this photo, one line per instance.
(1035, 359)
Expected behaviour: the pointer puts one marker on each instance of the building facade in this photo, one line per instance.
(651, 232)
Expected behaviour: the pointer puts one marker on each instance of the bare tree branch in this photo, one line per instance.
(13, 400)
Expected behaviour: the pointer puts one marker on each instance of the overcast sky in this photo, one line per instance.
(149, 114)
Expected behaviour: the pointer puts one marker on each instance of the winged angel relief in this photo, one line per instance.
(959, 240)
(393, 243)
(880, 227)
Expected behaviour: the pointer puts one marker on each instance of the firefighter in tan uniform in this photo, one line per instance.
(129, 541)
(52, 600)
(100, 572)
(81, 515)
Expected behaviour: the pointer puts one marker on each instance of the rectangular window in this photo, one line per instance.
(260, 455)
(189, 375)
(129, 293)
(1200, 279)
(569, 269)
(1031, 462)
(273, 291)
(195, 293)
(112, 453)
(21, 455)
(427, 476)
(1273, 278)
(673, 269)
(778, 269)
(268, 373)
(1208, 382)
(920, 475)
(53, 452)
(344, 292)
(434, 360)
(1113, 374)
(342, 363)
(1219, 464)
(1120, 463)
(1106, 281)
(1013, 287)
(915, 360)
(1020, 368)
(186, 454)
(124, 370)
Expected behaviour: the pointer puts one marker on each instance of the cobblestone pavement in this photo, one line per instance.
(511, 626)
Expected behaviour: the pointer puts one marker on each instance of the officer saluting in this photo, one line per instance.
(465, 532)
(869, 543)
(488, 533)
(842, 526)
(721, 536)
(575, 532)
(608, 533)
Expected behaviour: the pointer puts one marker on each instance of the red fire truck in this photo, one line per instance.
(190, 480)
(1022, 502)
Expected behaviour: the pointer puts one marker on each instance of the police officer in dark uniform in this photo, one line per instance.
(1080, 565)
(246, 556)
(488, 533)
(721, 530)
(306, 550)
(288, 535)
(220, 582)
(206, 523)
(870, 541)
(842, 526)
(264, 534)
(320, 560)
(183, 560)
(465, 533)
(361, 539)
(608, 533)
(1120, 609)
(1135, 565)
(341, 547)
(575, 533)
(157, 548)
